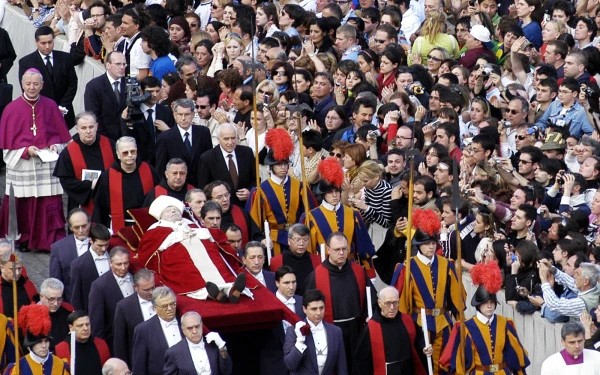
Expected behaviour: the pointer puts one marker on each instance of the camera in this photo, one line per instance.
(435, 124)
(472, 3)
(415, 88)
(135, 115)
(374, 134)
(485, 73)
(560, 178)
(507, 124)
(588, 91)
(266, 99)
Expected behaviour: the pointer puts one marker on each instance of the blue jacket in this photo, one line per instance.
(575, 118)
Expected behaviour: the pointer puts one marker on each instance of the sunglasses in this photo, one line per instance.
(337, 155)
(521, 137)
(261, 91)
(202, 106)
(215, 7)
(280, 73)
(513, 111)
(380, 41)
(193, 25)
(434, 59)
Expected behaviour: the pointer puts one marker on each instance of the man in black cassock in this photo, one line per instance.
(344, 284)
(87, 151)
(173, 184)
(391, 343)
(51, 296)
(134, 179)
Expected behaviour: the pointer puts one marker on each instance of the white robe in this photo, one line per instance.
(555, 365)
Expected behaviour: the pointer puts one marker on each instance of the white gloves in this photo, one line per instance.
(299, 336)
(213, 336)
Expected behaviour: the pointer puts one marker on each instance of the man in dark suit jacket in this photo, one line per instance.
(309, 340)
(153, 337)
(271, 352)
(158, 119)
(57, 69)
(103, 99)
(63, 252)
(107, 291)
(214, 166)
(182, 358)
(130, 312)
(172, 143)
(88, 267)
(254, 259)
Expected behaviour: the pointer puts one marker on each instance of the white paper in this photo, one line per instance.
(90, 174)
(47, 156)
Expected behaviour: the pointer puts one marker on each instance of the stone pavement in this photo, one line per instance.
(36, 262)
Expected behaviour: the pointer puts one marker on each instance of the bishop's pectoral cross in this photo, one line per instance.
(34, 127)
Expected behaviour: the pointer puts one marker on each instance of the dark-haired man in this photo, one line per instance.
(322, 93)
(156, 44)
(90, 42)
(396, 162)
(448, 134)
(135, 19)
(57, 70)
(522, 224)
(555, 54)
(173, 184)
(363, 110)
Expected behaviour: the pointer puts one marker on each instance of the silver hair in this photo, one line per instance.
(108, 369)
(299, 229)
(175, 161)
(387, 289)
(161, 292)
(125, 140)
(191, 313)
(52, 283)
(572, 328)
(590, 272)
(118, 250)
(143, 274)
(5, 258)
(184, 103)
(281, 55)
(225, 125)
(188, 195)
(30, 73)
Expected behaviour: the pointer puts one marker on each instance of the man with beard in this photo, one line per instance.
(396, 161)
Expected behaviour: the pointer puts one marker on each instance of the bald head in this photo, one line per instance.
(388, 292)
(115, 366)
(388, 300)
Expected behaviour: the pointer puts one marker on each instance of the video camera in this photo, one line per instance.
(135, 115)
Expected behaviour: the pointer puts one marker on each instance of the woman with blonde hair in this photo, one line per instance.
(551, 31)
(480, 109)
(267, 93)
(433, 34)
(375, 202)
(226, 52)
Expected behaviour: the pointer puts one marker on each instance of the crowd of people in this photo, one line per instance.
(292, 135)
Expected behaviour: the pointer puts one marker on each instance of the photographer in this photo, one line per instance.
(573, 197)
(523, 280)
(484, 85)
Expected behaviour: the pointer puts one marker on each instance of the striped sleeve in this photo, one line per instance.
(564, 306)
(379, 208)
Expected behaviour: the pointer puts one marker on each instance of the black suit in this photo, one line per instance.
(62, 253)
(178, 360)
(104, 296)
(83, 274)
(149, 348)
(141, 132)
(100, 98)
(61, 86)
(213, 167)
(128, 315)
(170, 145)
(271, 352)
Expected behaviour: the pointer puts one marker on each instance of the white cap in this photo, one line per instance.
(480, 33)
(161, 203)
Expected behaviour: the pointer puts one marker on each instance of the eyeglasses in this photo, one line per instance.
(521, 137)
(300, 240)
(202, 106)
(130, 152)
(193, 25)
(167, 305)
(565, 92)
(389, 304)
(521, 161)
(380, 41)
(337, 155)
(54, 299)
(261, 91)
(433, 58)
(513, 111)
(215, 7)
(280, 72)
(222, 197)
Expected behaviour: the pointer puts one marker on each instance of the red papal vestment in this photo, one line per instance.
(186, 264)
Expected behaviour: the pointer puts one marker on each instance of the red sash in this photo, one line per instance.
(31, 292)
(116, 193)
(159, 190)
(79, 162)
(240, 221)
(323, 284)
(64, 352)
(378, 347)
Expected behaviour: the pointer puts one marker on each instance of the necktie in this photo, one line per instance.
(116, 90)
(49, 65)
(150, 124)
(233, 171)
(187, 143)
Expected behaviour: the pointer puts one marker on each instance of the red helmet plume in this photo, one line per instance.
(331, 171)
(427, 221)
(488, 275)
(35, 319)
(280, 143)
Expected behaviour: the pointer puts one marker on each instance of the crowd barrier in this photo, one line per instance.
(22, 35)
(539, 337)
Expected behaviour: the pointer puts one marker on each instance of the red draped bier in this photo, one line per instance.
(116, 193)
(324, 285)
(79, 162)
(240, 221)
(378, 346)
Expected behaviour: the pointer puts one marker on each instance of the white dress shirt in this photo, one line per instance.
(182, 132)
(44, 58)
(199, 357)
(226, 157)
(320, 338)
(82, 246)
(145, 109)
(260, 277)
(171, 331)
(290, 304)
(101, 262)
(125, 284)
(147, 308)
